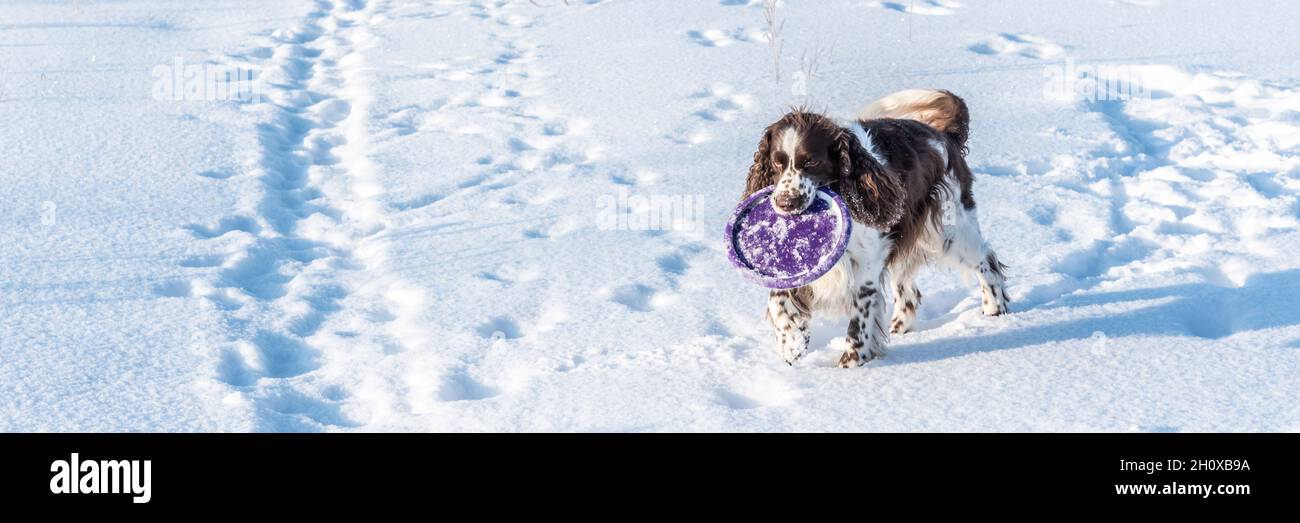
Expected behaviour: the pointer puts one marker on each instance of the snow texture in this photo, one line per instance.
(404, 231)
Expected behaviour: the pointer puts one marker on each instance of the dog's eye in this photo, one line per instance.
(811, 163)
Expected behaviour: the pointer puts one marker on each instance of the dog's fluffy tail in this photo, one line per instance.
(939, 109)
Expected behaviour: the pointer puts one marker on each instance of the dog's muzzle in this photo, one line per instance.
(793, 194)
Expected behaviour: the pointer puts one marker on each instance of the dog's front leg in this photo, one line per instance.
(866, 337)
(791, 319)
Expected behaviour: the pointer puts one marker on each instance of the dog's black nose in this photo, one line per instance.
(788, 202)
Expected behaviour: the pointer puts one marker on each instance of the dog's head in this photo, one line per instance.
(803, 151)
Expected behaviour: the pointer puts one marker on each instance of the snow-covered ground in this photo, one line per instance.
(409, 229)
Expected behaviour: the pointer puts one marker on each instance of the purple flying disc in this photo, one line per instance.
(784, 252)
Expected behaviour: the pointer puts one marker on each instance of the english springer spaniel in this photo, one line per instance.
(902, 171)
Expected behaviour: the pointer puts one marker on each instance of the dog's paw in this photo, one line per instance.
(849, 357)
(900, 326)
(849, 360)
(792, 357)
(994, 307)
(790, 352)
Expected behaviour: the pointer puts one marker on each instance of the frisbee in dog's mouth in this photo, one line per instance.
(780, 251)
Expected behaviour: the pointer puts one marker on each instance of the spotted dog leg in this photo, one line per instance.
(907, 299)
(790, 317)
(993, 284)
(866, 337)
(964, 249)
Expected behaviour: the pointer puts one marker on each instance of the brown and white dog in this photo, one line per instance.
(902, 171)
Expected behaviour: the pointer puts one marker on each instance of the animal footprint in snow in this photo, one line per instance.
(499, 328)
(722, 103)
(721, 38)
(406, 120)
(689, 136)
(224, 226)
(922, 7)
(516, 21)
(638, 297)
(172, 289)
(217, 174)
(459, 385)
(1026, 45)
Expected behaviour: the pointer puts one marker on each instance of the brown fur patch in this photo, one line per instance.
(941, 110)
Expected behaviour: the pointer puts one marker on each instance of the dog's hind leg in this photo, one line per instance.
(791, 318)
(993, 284)
(907, 298)
(964, 249)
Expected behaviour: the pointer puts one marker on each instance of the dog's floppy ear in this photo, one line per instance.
(873, 192)
(760, 173)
